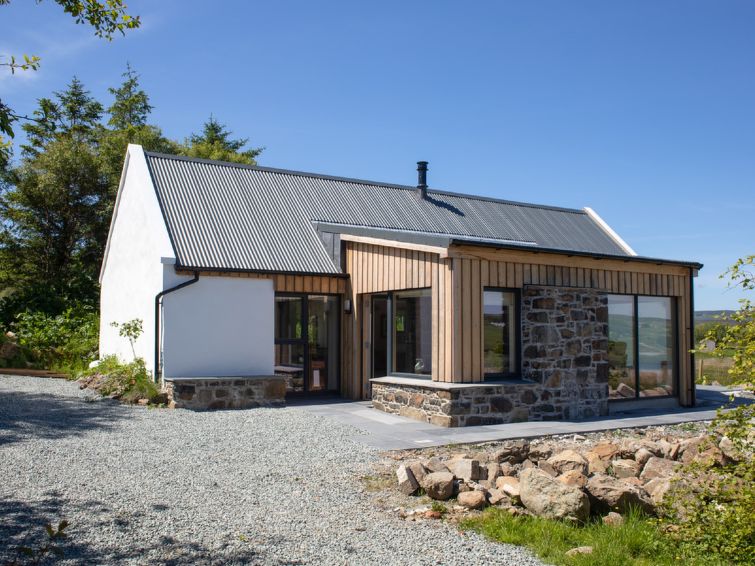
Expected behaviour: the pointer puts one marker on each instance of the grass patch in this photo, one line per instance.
(378, 483)
(638, 542)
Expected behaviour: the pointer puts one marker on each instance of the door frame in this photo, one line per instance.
(305, 341)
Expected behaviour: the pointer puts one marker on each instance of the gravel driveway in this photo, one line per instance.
(263, 486)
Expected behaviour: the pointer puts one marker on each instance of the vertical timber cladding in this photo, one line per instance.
(457, 280)
(377, 269)
(474, 268)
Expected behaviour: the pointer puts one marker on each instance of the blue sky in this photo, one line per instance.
(642, 110)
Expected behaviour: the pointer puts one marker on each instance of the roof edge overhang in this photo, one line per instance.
(193, 268)
(594, 255)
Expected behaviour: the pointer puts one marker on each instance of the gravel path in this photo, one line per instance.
(264, 486)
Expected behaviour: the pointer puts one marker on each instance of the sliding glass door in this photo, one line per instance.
(307, 342)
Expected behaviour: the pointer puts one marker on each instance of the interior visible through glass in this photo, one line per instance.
(322, 333)
(379, 336)
(656, 340)
(499, 333)
(621, 322)
(412, 332)
(289, 362)
(288, 317)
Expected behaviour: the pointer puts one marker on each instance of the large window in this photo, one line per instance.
(499, 327)
(402, 333)
(641, 346)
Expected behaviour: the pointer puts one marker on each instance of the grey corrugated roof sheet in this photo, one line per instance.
(230, 217)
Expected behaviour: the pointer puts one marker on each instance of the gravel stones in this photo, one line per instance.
(260, 486)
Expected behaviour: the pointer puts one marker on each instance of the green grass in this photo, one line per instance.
(638, 542)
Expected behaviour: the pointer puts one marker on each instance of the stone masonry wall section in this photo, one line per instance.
(564, 365)
(227, 393)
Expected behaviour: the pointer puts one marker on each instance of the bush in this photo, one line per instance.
(66, 342)
(127, 382)
(713, 510)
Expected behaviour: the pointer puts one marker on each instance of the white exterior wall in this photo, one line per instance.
(133, 273)
(218, 327)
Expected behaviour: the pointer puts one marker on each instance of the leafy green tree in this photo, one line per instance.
(128, 116)
(106, 18)
(739, 335)
(215, 143)
(51, 206)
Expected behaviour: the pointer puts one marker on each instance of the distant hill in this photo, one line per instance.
(710, 316)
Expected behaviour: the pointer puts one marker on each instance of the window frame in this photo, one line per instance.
(390, 297)
(675, 346)
(517, 373)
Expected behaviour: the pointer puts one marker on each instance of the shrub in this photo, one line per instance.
(66, 342)
(713, 510)
(128, 382)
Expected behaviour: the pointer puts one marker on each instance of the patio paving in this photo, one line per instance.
(391, 432)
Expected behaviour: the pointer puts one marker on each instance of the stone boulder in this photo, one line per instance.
(547, 497)
(407, 483)
(624, 468)
(657, 490)
(439, 485)
(573, 477)
(435, 464)
(658, 468)
(510, 486)
(613, 519)
(497, 497)
(465, 469)
(702, 450)
(642, 456)
(568, 460)
(606, 451)
(595, 464)
(611, 494)
(511, 451)
(419, 470)
(472, 499)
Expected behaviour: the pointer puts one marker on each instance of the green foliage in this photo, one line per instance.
(713, 509)
(128, 382)
(130, 330)
(710, 331)
(638, 542)
(439, 507)
(215, 143)
(66, 342)
(37, 555)
(738, 339)
(106, 18)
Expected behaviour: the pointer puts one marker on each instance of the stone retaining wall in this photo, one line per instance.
(564, 365)
(227, 393)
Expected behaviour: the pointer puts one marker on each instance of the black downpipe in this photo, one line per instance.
(692, 388)
(158, 299)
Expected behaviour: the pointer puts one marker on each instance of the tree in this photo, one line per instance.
(739, 336)
(215, 143)
(128, 115)
(106, 17)
(51, 207)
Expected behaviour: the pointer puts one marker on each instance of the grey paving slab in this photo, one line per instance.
(391, 432)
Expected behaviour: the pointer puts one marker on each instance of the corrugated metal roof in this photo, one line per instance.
(227, 216)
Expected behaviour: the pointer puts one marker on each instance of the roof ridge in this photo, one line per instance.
(358, 181)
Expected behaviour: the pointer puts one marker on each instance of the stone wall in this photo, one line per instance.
(227, 393)
(564, 365)
(565, 350)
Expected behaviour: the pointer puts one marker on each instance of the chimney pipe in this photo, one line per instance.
(422, 179)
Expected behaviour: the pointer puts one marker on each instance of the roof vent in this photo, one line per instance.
(422, 179)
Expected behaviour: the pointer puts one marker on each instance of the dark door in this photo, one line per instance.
(307, 342)
(379, 336)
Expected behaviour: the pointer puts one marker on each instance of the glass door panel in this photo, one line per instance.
(379, 336)
(322, 333)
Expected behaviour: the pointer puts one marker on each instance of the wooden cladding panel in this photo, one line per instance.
(283, 283)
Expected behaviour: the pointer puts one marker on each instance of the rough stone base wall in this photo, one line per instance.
(227, 393)
(564, 365)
